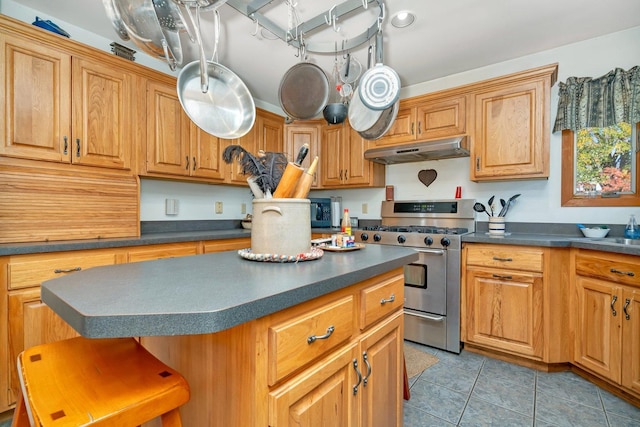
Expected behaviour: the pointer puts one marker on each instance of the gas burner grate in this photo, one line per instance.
(424, 229)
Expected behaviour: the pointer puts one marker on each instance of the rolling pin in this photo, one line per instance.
(304, 183)
(291, 175)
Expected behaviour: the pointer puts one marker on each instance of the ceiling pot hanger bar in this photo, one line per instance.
(308, 27)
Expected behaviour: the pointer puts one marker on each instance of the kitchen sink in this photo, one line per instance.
(622, 241)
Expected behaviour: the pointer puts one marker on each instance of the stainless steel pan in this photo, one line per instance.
(304, 91)
(380, 85)
(361, 117)
(384, 123)
(214, 97)
(115, 19)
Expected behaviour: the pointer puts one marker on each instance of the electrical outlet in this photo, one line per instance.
(218, 207)
(365, 208)
(171, 206)
(243, 208)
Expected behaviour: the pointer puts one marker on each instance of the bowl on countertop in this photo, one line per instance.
(246, 222)
(595, 233)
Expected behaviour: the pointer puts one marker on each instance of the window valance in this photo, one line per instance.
(587, 102)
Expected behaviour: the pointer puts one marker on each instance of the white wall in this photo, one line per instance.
(540, 200)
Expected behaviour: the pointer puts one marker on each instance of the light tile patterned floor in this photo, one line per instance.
(473, 390)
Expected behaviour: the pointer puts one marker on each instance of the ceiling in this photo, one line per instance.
(447, 37)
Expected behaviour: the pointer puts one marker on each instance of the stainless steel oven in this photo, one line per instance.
(432, 284)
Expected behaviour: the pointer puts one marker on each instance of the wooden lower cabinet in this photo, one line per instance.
(607, 317)
(226, 245)
(244, 376)
(169, 250)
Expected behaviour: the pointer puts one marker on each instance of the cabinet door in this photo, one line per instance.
(206, 155)
(331, 148)
(442, 118)
(631, 339)
(505, 311)
(296, 136)
(270, 132)
(31, 322)
(598, 332)
(356, 168)
(509, 138)
(250, 143)
(403, 128)
(168, 131)
(36, 97)
(382, 386)
(102, 115)
(320, 396)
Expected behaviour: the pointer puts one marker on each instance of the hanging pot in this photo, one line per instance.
(214, 97)
(115, 19)
(361, 117)
(304, 91)
(384, 123)
(380, 85)
(335, 113)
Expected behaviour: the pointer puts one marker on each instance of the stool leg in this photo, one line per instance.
(20, 416)
(171, 419)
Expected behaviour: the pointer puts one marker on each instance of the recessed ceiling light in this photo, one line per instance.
(402, 19)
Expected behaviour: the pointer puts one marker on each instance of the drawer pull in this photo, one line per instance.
(495, 258)
(613, 302)
(77, 147)
(391, 299)
(626, 273)
(312, 338)
(366, 362)
(66, 270)
(66, 145)
(355, 368)
(626, 305)
(500, 276)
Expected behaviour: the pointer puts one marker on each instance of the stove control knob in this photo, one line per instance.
(401, 239)
(377, 237)
(364, 237)
(428, 240)
(445, 242)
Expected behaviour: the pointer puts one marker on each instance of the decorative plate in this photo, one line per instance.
(341, 249)
(315, 253)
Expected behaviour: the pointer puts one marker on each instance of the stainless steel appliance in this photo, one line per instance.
(432, 284)
(320, 212)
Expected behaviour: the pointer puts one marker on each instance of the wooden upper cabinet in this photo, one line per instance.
(298, 134)
(175, 145)
(427, 118)
(511, 133)
(65, 109)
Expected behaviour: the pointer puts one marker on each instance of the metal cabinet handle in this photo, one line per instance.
(419, 128)
(366, 362)
(340, 174)
(312, 338)
(413, 125)
(613, 302)
(495, 258)
(477, 163)
(194, 162)
(77, 147)
(624, 273)
(66, 144)
(627, 301)
(346, 174)
(355, 368)
(392, 298)
(187, 166)
(66, 270)
(500, 276)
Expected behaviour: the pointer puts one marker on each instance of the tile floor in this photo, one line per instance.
(473, 390)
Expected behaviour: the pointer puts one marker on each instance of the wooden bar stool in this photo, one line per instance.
(96, 382)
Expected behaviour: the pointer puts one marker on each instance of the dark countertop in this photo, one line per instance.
(608, 244)
(204, 293)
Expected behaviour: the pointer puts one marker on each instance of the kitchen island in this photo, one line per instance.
(259, 343)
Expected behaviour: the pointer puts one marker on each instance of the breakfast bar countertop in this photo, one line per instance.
(204, 293)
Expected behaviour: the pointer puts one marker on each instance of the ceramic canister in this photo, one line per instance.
(281, 226)
(496, 225)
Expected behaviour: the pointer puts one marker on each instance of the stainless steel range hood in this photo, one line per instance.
(420, 151)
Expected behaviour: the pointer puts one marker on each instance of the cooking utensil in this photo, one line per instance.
(491, 204)
(383, 124)
(479, 207)
(213, 96)
(115, 19)
(140, 21)
(291, 175)
(170, 18)
(304, 183)
(304, 91)
(361, 117)
(350, 70)
(504, 210)
(379, 86)
(335, 113)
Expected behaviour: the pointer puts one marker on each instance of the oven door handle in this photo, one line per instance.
(423, 316)
(431, 251)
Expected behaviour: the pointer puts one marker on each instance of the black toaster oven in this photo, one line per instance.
(320, 213)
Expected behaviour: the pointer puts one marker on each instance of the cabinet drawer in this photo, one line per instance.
(380, 300)
(31, 270)
(292, 343)
(510, 257)
(162, 251)
(620, 271)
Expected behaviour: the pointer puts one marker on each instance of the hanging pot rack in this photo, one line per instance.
(330, 17)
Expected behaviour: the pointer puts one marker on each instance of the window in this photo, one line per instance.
(600, 166)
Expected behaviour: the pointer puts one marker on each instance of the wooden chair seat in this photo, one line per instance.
(97, 382)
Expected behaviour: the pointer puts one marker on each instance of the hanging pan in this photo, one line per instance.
(214, 97)
(115, 19)
(380, 85)
(384, 123)
(304, 91)
(361, 117)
